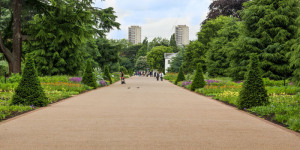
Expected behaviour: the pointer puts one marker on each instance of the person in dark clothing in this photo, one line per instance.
(154, 74)
(157, 76)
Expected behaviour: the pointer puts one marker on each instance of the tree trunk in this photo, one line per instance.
(17, 37)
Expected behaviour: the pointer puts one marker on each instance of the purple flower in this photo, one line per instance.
(75, 79)
(245, 108)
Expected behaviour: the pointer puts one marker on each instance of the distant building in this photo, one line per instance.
(168, 59)
(135, 34)
(182, 35)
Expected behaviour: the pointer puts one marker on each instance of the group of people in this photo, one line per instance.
(150, 73)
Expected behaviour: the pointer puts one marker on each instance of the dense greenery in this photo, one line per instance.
(141, 63)
(253, 92)
(29, 90)
(155, 57)
(198, 80)
(177, 61)
(194, 53)
(89, 78)
(107, 75)
(180, 76)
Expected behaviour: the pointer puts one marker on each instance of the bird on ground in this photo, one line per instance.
(128, 87)
(138, 87)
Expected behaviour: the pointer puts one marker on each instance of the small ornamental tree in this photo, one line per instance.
(180, 76)
(107, 75)
(198, 81)
(30, 91)
(89, 77)
(253, 92)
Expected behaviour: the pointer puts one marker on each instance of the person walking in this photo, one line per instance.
(161, 76)
(154, 74)
(157, 76)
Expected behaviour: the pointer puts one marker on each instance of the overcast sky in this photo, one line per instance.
(157, 17)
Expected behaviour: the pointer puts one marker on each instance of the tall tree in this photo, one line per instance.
(177, 61)
(130, 52)
(194, 53)
(173, 43)
(225, 8)
(158, 41)
(141, 63)
(269, 28)
(156, 58)
(109, 54)
(143, 50)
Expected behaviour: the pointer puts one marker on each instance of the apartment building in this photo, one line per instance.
(182, 35)
(135, 34)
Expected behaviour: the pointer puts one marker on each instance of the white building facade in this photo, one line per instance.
(168, 59)
(182, 35)
(135, 34)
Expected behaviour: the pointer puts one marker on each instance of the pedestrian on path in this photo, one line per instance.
(157, 76)
(161, 76)
(154, 74)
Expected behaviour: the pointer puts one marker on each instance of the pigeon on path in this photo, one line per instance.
(138, 87)
(128, 87)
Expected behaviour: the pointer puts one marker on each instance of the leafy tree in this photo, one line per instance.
(89, 77)
(156, 58)
(124, 61)
(268, 30)
(194, 53)
(123, 69)
(180, 76)
(216, 57)
(107, 74)
(225, 8)
(131, 52)
(29, 90)
(109, 54)
(90, 52)
(177, 61)
(143, 50)
(253, 92)
(173, 43)
(198, 81)
(124, 43)
(141, 63)
(158, 41)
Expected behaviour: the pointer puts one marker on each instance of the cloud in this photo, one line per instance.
(157, 17)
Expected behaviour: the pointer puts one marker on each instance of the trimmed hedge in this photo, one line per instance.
(180, 76)
(89, 78)
(253, 92)
(29, 90)
(107, 74)
(198, 81)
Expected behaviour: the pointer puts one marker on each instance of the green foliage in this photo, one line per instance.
(130, 53)
(194, 53)
(124, 61)
(123, 69)
(89, 77)
(107, 74)
(173, 44)
(198, 81)
(91, 52)
(177, 61)
(216, 60)
(253, 92)
(180, 76)
(30, 91)
(155, 57)
(158, 41)
(141, 63)
(268, 30)
(109, 53)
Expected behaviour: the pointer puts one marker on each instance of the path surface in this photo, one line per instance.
(158, 115)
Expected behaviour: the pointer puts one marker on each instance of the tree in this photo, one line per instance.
(141, 63)
(109, 54)
(29, 90)
(124, 61)
(143, 50)
(173, 43)
(225, 8)
(194, 53)
(155, 57)
(269, 28)
(107, 74)
(253, 91)
(103, 19)
(217, 61)
(124, 43)
(198, 81)
(131, 52)
(158, 41)
(177, 61)
(180, 76)
(89, 78)
(90, 52)
(58, 38)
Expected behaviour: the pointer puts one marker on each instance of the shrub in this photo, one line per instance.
(30, 91)
(180, 76)
(253, 91)
(89, 77)
(107, 75)
(198, 81)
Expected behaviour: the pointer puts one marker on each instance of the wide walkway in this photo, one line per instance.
(157, 115)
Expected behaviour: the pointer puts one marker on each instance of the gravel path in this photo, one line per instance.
(157, 115)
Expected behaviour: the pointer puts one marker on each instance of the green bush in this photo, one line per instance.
(198, 81)
(107, 75)
(253, 91)
(89, 77)
(124, 70)
(180, 76)
(30, 91)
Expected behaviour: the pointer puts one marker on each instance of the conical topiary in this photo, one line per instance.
(180, 76)
(253, 92)
(29, 90)
(107, 75)
(198, 81)
(89, 78)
